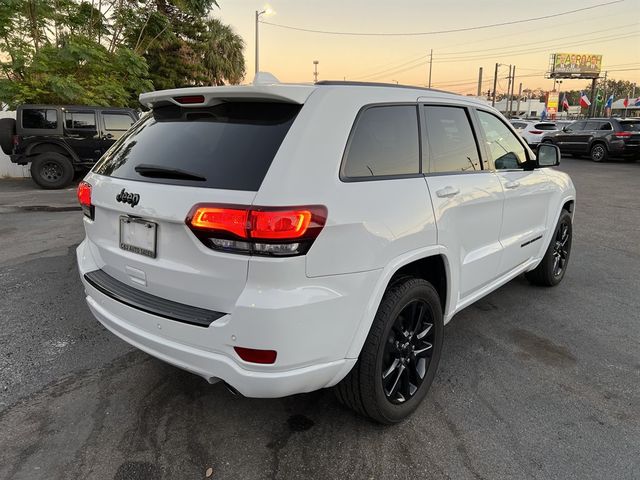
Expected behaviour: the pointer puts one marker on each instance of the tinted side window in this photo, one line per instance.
(576, 127)
(384, 142)
(80, 120)
(606, 126)
(504, 148)
(592, 126)
(40, 118)
(452, 146)
(117, 121)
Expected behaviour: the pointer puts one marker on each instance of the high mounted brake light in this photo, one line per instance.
(84, 198)
(189, 99)
(271, 231)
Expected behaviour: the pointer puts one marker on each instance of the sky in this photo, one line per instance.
(612, 30)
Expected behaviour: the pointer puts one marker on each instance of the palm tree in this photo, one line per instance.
(223, 58)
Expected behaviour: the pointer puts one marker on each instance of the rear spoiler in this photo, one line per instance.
(203, 96)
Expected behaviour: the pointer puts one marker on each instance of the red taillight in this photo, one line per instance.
(256, 356)
(280, 224)
(84, 198)
(222, 219)
(187, 99)
(622, 134)
(278, 231)
(536, 132)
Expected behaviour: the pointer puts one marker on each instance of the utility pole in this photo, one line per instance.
(519, 97)
(430, 65)
(506, 106)
(315, 71)
(513, 85)
(495, 83)
(480, 82)
(630, 99)
(257, 42)
(604, 94)
(594, 102)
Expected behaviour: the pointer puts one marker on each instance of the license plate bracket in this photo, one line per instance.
(138, 236)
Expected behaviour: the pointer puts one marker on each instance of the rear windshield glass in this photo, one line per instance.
(632, 126)
(228, 146)
(546, 126)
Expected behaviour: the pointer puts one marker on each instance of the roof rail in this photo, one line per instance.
(376, 84)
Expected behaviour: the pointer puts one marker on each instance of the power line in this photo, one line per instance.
(438, 32)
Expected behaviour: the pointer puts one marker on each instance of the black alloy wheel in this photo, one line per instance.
(598, 152)
(561, 248)
(407, 352)
(400, 356)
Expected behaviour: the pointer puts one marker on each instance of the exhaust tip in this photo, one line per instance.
(232, 390)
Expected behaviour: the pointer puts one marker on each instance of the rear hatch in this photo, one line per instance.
(630, 133)
(148, 182)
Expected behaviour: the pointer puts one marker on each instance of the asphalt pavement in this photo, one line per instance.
(533, 382)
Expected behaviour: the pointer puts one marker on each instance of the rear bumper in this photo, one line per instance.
(312, 340)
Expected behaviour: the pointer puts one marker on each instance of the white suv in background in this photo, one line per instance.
(532, 132)
(287, 238)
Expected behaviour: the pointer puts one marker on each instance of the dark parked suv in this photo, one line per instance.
(599, 138)
(62, 140)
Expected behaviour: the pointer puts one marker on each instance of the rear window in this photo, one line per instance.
(384, 142)
(546, 126)
(231, 145)
(630, 126)
(42, 118)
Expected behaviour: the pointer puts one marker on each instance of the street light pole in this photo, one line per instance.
(495, 83)
(257, 39)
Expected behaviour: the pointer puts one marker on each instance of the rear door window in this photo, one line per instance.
(228, 146)
(576, 127)
(116, 124)
(384, 142)
(545, 126)
(80, 120)
(40, 118)
(452, 145)
(591, 125)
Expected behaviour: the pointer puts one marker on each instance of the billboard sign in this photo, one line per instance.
(576, 65)
(552, 104)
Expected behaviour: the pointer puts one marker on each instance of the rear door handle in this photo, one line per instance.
(513, 184)
(448, 191)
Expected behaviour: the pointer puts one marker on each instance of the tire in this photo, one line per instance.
(548, 273)
(410, 307)
(7, 131)
(598, 152)
(52, 171)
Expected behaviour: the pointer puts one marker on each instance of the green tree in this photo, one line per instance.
(106, 52)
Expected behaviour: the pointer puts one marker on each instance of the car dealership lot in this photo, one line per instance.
(533, 382)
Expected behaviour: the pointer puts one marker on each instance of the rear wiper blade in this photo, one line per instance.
(158, 171)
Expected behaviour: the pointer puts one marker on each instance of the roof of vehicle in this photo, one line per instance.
(267, 88)
(92, 107)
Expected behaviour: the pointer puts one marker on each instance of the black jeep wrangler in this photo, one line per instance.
(61, 141)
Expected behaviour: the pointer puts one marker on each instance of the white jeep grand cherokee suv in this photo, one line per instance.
(287, 238)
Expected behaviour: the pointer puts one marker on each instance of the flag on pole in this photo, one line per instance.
(609, 103)
(544, 114)
(636, 102)
(625, 102)
(584, 100)
(565, 102)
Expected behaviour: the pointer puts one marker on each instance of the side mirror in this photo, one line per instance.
(548, 155)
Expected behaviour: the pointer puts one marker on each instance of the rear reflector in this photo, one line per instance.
(274, 231)
(622, 134)
(188, 99)
(256, 356)
(84, 198)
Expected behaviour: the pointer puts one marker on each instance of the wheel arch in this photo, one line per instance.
(51, 146)
(431, 264)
